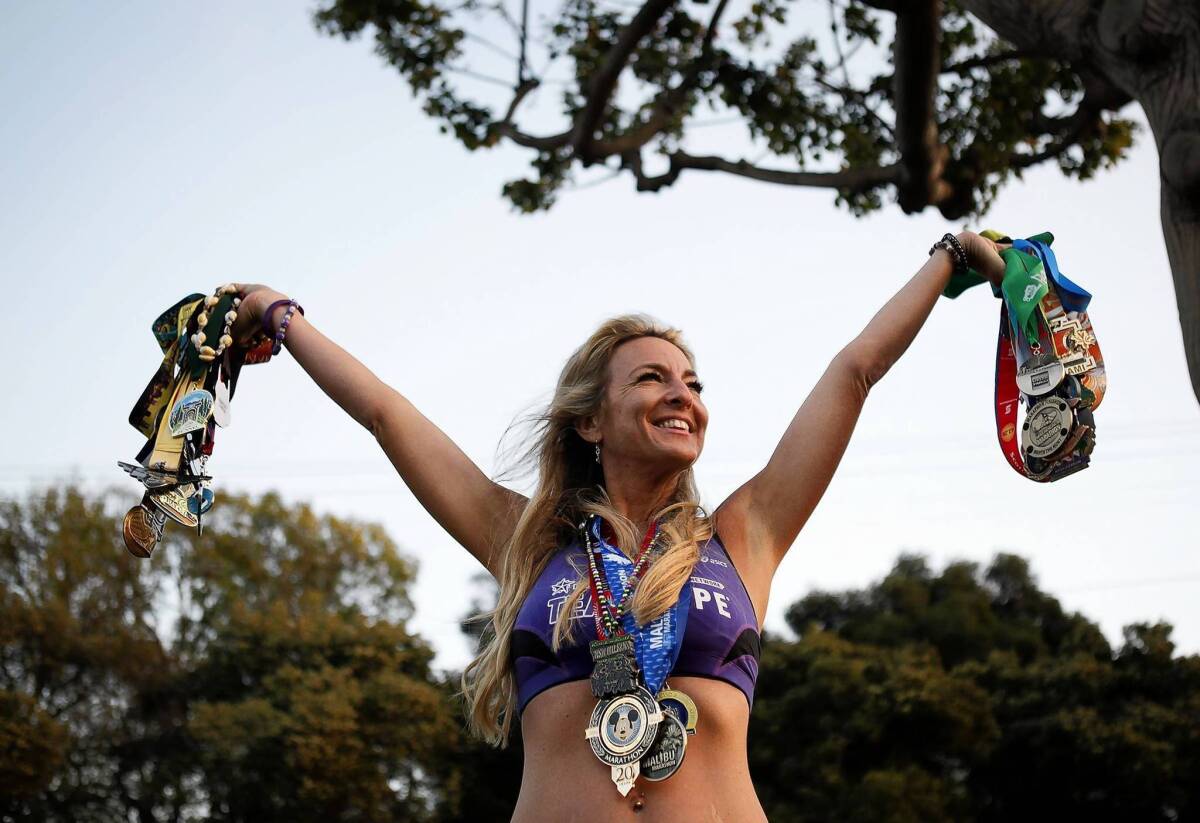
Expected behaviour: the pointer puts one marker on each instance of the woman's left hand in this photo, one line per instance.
(983, 255)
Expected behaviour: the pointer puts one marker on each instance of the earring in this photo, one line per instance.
(597, 452)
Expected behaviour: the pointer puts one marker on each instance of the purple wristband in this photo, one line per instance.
(292, 305)
(266, 320)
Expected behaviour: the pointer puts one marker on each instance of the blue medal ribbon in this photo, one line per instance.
(657, 643)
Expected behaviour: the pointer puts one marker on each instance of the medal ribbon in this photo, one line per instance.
(1007, 395)
(657, 644)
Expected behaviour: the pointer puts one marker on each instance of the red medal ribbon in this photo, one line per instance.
(1007, 396)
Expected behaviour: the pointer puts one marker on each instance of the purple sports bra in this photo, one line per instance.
(720, 642)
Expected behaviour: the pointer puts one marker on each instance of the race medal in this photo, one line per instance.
(614, 669)
(190, 413)
(1040, 374)
(666, 755)
(681, 706)
(150, 479)
(200, 502)
(622, 729)
(173, 502)
(142, 529)
(1046, 428)
(220, 410)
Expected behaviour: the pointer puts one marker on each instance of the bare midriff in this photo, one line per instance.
(563, 781)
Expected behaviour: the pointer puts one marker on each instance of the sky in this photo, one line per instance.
(152, 150)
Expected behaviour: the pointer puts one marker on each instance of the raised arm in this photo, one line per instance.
(761, 519)
(477, 512)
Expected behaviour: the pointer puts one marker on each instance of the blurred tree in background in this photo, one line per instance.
(264, 672)
(970, 695)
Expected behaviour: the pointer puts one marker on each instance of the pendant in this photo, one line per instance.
(221, 404)
(666, 755)
(1040, 374)
(142, 529)
(1047, 427)
(190, 413)
(149, 478)
(614, 669)
(621, 731)
(173, 502)
(681, 706)
(200, 502)
(1074, 344)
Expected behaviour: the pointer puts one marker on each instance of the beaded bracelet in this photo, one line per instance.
(292, 305)
(954, 248)
(266, 318)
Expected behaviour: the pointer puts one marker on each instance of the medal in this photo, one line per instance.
(622, 729)
(179, 411)
(190, 413)
(1047, 427)
(173, 502)
(681, 706)
(200, 502)
(220, 411)
(1047, 357)
(142, 528)
(614, 669)
(1040, 374)
(666, 755)
(626, 727)
(150, 479)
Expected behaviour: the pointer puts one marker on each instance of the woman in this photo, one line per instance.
(615, 456)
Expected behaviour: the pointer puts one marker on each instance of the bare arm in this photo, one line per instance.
(762, 518)
(477, 512)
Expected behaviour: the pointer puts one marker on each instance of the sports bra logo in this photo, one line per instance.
(559, 592)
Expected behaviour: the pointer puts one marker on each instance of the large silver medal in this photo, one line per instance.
(1040, 374)
(1046, 428)
(622, 729)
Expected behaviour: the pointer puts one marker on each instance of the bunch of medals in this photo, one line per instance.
(1047, 357)
(179, 411)
(639, 727)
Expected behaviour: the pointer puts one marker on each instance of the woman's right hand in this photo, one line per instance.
(255, 299)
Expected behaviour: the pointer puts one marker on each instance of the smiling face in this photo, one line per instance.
(652, 416)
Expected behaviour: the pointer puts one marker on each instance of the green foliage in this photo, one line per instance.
(970, 695)
(265, 672)
(816, 97)
(287, 687)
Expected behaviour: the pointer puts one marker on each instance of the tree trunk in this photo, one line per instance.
(1149, 49)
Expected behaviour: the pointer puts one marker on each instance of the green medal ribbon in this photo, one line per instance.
(1024, 286)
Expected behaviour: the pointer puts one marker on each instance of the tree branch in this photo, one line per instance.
(506, 127)
(605, 79)
(1098, 97)
(1047, 28)
(983, 61)
(853, 180)
(667, 103)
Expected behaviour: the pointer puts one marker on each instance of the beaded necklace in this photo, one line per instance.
(208, 353)
(607, 613)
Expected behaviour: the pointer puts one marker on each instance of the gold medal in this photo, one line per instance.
(173, 502)
(142, 528)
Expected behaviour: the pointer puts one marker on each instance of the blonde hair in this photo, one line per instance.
(570, 485)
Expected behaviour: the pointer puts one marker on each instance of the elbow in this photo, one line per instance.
(375, 415)
(862, 366)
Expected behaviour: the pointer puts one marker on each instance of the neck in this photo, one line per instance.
(637, 493)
